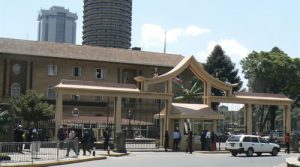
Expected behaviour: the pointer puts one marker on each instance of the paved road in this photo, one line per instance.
(180, 159)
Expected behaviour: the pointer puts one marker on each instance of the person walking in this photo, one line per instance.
(208, 140)
(176, 139)
(18, 136)
(213, 141)
(71, 143)
(189, 142)
(203, 140)
(28, 139)
(287, 140)
(166, 140)
(86, 142)
(106, 138)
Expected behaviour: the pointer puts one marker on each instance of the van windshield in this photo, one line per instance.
(234, 139)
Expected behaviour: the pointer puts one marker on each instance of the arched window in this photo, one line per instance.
(15, 90)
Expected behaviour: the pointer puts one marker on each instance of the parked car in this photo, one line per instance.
(222, 137)
(250, 144)
(277, 136)
(296, 134)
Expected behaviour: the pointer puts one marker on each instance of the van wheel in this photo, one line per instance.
(274, 151)
(249, 152)
(233, 153)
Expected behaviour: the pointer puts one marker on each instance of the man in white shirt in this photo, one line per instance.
(208, 140)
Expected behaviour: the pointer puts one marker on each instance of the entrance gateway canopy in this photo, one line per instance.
(190, 111)
(181, 111)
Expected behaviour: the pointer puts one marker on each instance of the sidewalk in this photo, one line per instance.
(100, 155)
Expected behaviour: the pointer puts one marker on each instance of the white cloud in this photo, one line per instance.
(235, 50)
(174, 34)
(232, 48)
(153, 35)
(193, 30)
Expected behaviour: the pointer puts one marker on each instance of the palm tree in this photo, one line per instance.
(192, 94)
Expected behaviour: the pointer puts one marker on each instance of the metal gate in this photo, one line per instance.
(142, 130)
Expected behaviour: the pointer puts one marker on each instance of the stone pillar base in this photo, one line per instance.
(120, 143)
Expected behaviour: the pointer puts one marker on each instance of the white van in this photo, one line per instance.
(250, 144)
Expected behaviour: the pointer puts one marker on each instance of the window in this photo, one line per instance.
(262, 140)
(76, 71)
(75, 97)
(52, 70)
(234, 139)
(60, 27)
(98, 98)
(15, 90)
(128, 76)
(100, 73)
(50, 92)
(246, 139)
(16, 69)
(254, 139)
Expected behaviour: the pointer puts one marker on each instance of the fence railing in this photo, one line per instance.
(36, 151)
(143, 143)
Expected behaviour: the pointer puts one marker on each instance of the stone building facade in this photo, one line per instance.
(42, 65)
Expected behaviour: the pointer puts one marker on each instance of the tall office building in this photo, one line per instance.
(107, 23)
(57, 25)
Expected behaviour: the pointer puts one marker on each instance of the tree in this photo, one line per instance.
(32, 107)
(220, 66)
(191, 94)
(5, 120)
(272, 72)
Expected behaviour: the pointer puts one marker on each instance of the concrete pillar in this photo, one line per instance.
(249, 119)
(117, 114)
(208, 91)
(245, 118)
(182, 144)
(58, 113)
(161, 131)
(204, 92)
(287, 109)
(284, 120)
(145, 87)
(168, 107)
(214, 125)
(168, 86)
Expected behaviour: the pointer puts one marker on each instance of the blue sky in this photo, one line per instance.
(193, 27)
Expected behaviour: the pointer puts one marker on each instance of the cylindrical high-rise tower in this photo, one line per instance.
(107, 23)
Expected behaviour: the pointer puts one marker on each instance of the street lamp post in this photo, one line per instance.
(129, 116)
